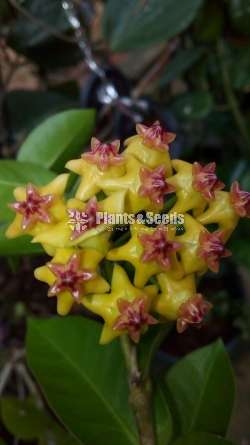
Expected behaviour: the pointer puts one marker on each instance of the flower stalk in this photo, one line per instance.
(140, 393)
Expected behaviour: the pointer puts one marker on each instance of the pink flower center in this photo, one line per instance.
(69, 277)
(212, 248)
(103, 155)
(134, 317)
(34, 208)
(240, 200)
(205, 180)
(192, 312)
(155, 136)
(154, 185)
(158, 248)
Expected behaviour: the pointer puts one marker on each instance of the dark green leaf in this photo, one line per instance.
(163, 419)
(26, 421)
(201, 390)
(202, 439)
(85, 383)
(150, 343)
(23, 419)
(180, 63)
(58, 139)
(135, 24)
(209, 23)
(18, 246)
(240, 68)
(192, 106)
(38, 105)
(28, 33)
(16, 173)
(239, 11)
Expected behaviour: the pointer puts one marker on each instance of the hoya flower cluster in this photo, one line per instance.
(165, 260)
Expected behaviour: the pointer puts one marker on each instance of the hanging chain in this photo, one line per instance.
(107, 94)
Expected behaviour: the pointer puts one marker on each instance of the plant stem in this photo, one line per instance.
(232, 99)
(140, 394)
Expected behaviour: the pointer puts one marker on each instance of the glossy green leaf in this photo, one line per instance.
(15, 173)
(58, 139)
(180, 63)
(135, 24)
(239, 11)
(201, 390)
(202, 439)
(192, 106)
(18, 246)
(85, 383)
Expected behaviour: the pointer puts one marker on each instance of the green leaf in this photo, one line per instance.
(209, 23)
(150, 344)
(85, 383)
(28, 33)
(58, 139)
(201, 390)
(239, 12)
(193, 106)
(240, 68)
(239, 244)
(163, 418)
(38, 105)
(23, 419)
(180, 63)
(18, 246)
(26, 421)
(201, 439)
(14, 174)
(143, 24)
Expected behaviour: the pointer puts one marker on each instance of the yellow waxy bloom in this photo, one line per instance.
(107, 304)
(190, 260)
(71, 275)
(145, 188)
(173, 294)
(187, 197)
(81, 227)
(92, 177)
(38, 208)
(147, 154)
(221, 211)
(150, 251)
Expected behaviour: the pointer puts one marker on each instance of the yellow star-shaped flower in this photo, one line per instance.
(187, 197)
(147, 155)
(92, 176)
(134, 251)
(38, 208)
(173, 294)
(131, 182)
(106, 306)
(220, 211)
(190, 260)
(60, 235)
(88, 260)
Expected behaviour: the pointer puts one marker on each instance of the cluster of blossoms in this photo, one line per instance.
(166, 263)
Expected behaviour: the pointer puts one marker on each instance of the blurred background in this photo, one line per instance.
(184, 62)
